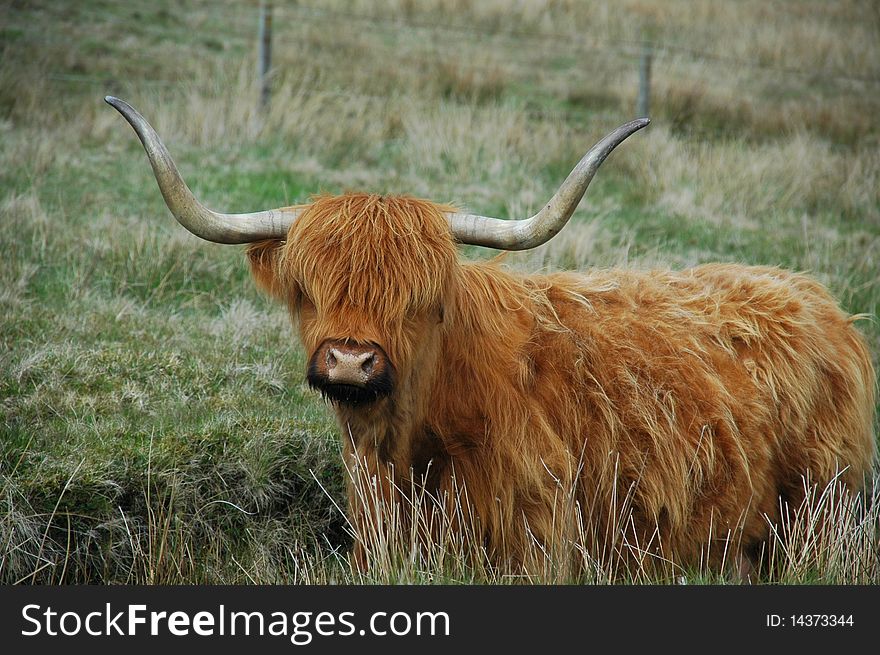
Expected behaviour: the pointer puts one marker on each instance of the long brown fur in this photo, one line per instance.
(701, 398)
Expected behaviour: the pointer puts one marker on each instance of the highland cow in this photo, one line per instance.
(702, 397)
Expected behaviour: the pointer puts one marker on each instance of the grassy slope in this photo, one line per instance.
(155, 424)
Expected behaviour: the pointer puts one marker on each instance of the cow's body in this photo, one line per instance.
(675, 407)
(654, 413)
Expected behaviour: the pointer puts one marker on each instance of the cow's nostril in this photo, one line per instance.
(367, 364)
(331, 358)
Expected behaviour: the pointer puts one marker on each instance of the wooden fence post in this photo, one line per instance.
(265, 54)
(643, 107)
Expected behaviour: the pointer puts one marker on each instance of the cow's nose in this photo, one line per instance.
(350, 365)
(351, 372)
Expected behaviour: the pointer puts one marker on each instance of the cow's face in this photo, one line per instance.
(368, 280)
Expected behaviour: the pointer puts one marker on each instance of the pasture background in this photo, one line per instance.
(155, 422)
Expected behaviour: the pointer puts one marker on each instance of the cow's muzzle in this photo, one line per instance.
(351, 373)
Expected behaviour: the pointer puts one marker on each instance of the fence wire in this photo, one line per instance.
(619, 57)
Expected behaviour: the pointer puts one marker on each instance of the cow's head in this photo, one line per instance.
(367, 278)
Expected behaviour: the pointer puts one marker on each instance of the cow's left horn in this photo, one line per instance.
(189, 212)
(540, 228)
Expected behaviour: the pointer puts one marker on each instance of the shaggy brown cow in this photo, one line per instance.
(703, 397)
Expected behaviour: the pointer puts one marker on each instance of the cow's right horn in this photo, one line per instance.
(540, 228)
(189, 212)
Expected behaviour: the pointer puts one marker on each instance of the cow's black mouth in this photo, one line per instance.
(349, 394)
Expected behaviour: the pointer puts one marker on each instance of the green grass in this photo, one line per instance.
(154, 421)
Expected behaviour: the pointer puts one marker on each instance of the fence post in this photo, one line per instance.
(643, 107)
(265, 54)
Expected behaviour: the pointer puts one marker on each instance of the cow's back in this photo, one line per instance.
(704, 394)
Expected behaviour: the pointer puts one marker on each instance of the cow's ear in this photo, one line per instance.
(263, 257)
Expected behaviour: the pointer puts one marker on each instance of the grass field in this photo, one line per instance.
(156, 426)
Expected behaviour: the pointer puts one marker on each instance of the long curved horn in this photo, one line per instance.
(540, 228)
(189, 212)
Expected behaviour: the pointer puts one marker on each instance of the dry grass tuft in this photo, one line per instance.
(832, 537)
